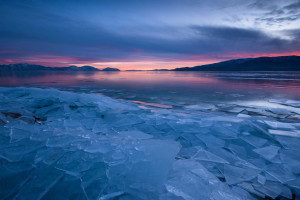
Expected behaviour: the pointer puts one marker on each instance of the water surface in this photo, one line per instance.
(168, 88)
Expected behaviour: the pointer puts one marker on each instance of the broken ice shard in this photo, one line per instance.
(64, 145)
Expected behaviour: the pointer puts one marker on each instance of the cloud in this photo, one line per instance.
(133, 31)
(294, 34)
(102, 45)
(277, 12)
(293, 8)
(232, 39)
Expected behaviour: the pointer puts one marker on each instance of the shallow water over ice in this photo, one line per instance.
(65, 145)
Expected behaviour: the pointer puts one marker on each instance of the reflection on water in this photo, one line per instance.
(169, 88)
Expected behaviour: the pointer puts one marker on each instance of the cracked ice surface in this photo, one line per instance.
(63, 145)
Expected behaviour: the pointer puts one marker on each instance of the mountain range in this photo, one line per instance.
(30, 67)
(281, 63)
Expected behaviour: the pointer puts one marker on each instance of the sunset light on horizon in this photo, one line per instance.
(149, 35)
(139, 65)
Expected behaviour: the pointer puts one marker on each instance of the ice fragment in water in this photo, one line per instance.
(261, 179)
(268, 152)
(190, 180)
(207, 156)
(291, 159)
(202, 106)
(149, 173)
(286, 102)
(49, 156)
(112, 195)
(280, 173)
(279, 125)
(236, 109)
(99, 146)
(38, 186)
(254, 140)
(136, 134)
(211, 140)
(285, 133)
(75, 162)
(18, 134)
(234, 174)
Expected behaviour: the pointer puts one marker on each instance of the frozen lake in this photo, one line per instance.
(150, 135)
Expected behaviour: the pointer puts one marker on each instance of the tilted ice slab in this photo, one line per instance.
(278, 109)
(63, 145)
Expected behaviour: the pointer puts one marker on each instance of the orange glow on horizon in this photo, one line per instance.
(193, 60)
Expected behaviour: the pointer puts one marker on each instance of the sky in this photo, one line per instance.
(146, 34)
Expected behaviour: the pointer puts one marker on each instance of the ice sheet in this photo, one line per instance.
(62, 144)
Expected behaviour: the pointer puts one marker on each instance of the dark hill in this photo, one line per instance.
(110, 69)
(281, 63)
(29, 67)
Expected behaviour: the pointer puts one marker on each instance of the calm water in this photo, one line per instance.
(167, 88)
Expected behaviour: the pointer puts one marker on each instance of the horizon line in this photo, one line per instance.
(149, 69)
